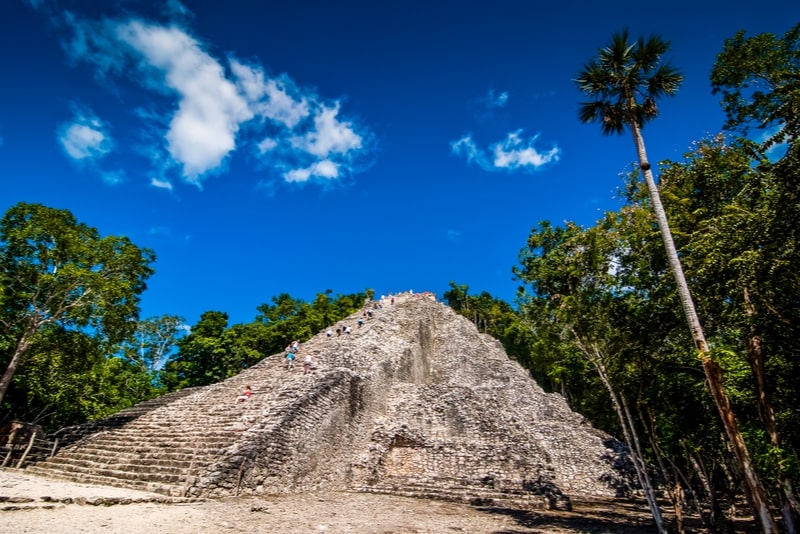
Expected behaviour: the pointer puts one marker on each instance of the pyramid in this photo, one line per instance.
(414, 402)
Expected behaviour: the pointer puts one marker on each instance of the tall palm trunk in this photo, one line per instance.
(711, 369)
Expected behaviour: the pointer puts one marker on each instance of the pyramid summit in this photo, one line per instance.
(414, 401)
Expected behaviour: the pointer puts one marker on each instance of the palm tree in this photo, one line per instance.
(624, 82)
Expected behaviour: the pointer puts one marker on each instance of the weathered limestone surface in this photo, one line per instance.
(414, 402)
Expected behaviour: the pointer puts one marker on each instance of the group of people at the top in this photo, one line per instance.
(393, 297)
(369, 308)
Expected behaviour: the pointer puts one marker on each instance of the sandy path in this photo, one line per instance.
(31, 504)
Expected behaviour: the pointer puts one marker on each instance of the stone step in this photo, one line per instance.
(106, 459)
(111, 453)
(188, 437)
(144, 441)
(132, 463)
(77, 470)
(134, 472)
(142, 485)
(201, 424)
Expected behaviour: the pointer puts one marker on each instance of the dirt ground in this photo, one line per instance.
(33, 504)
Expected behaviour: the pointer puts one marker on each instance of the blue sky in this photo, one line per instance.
(267, 147)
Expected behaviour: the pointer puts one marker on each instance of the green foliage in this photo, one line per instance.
(153, 341)
(624, 81)
(55, 270)
(608, 288)
(205, 356)
(757, 78)
(213, 351)
(68, 380)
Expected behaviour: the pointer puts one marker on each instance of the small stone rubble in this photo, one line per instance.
(414, 402)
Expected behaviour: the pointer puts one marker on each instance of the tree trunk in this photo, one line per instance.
(19, 352)
(712, 370)
(755, 356)
(593, 355)
(672, 483)
(701, 474)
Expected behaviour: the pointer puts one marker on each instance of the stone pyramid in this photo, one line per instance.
(414, 402)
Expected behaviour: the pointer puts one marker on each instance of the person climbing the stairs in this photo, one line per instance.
(245, 396)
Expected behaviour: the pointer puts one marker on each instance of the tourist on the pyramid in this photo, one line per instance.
(347, 330)
(360, 321)
(290, 360)
(307, 364)
(246, 395)
(338, 331)
(295, 346)
(329, 333)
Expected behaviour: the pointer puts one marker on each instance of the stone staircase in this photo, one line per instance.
(71, 434)
(165, 444)
(415, 402)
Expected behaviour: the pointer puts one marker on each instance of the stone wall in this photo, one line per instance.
(414, 402)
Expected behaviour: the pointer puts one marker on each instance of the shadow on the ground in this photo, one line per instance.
(625, 518)
(596, 522)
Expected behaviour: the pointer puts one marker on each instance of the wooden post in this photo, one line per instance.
(25, 454)
(8, 456)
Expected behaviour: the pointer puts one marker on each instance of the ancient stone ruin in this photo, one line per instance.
(414, 402)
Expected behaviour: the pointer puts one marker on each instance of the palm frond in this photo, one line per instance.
(624, 81)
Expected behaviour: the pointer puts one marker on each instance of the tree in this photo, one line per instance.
(205, 356)
(624, 82)
(576, 300)
(54, 269)
(67, 380)
(742, 249)
(757, 78)
(153, 341)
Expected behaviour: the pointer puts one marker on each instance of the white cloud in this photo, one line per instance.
(466, 147)
(513, 153)
(210, 109)
(266, 145)
(329, 136)
(210, 112)
(322, 169)
(161, 184)
(85, 137)
(270, 98)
